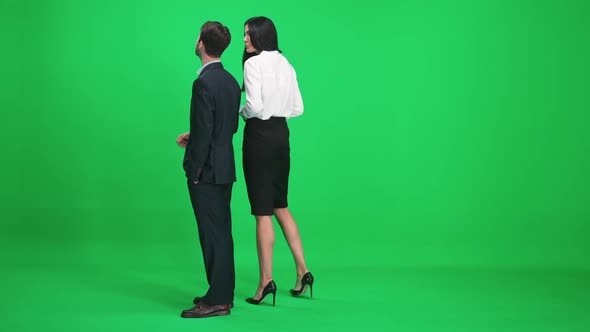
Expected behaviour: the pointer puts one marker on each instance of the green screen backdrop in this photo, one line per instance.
(439, 172)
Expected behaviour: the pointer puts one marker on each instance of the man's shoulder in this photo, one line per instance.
(208, 77)
(221, 74)
(200, 82)
(214, 73)
(213, 79)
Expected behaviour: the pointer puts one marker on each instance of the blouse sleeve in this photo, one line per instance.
(297, 101)
(253, 85)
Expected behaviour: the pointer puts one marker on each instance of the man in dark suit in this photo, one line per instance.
(210, 168)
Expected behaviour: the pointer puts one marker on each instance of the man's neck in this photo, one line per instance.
(206, 59)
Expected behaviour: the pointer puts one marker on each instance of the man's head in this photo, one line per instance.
(213, 40)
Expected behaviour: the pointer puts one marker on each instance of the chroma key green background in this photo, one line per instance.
(439, 173)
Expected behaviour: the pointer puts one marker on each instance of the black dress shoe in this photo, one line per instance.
(199, 300)
(204, 310)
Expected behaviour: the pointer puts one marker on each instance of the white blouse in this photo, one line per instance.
(271, 87)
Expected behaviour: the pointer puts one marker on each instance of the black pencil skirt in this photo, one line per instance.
(266, 160)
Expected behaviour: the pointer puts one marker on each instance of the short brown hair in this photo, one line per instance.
(216, 37)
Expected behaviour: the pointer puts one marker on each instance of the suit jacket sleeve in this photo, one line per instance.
(202, 123)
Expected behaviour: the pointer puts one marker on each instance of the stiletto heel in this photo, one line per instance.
(270, 288)
(306, 280)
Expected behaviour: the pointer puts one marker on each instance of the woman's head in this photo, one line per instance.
(260, 35)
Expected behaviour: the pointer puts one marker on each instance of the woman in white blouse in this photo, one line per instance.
(272, 97)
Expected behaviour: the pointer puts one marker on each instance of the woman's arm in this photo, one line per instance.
(253, 85)
(297, 101)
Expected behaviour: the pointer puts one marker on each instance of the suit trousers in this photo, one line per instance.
(211, 205)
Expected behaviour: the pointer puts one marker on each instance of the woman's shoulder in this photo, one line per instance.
(254, 61)
(269, 60)
(286, 63)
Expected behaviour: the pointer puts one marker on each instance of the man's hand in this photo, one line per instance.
(182, 140)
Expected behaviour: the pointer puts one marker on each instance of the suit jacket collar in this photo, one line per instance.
(214, 65)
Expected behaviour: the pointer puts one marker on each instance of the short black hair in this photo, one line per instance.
(216, 37)
(263, 36)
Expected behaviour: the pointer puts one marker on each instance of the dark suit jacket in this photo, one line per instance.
(215, 103)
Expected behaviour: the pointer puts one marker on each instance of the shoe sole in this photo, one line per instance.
(213, 314)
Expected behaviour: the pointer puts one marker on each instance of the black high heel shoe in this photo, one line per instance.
(306, 280)
(270, 288)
